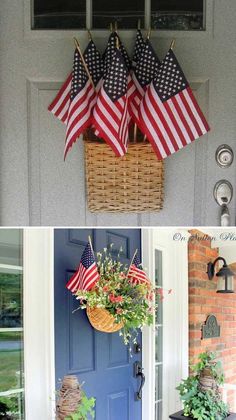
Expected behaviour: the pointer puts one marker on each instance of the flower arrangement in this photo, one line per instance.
(131, 303)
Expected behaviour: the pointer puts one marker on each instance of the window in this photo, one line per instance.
(158, 340)
(11, 325)
(182, 15)
(77, 14)
(126, 14)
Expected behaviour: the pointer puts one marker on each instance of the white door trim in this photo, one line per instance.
(175, 320)
(39, 364)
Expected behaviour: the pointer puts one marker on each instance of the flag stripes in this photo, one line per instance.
(137, 276)
(107, 117)
(173, 124)
(60, 105)
(83, 279)
(79, 115)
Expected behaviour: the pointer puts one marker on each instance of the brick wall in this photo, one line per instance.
(203, 300)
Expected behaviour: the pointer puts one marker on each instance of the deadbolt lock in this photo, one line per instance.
(224, 156)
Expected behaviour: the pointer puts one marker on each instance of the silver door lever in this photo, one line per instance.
(223, 193)
(224, 216)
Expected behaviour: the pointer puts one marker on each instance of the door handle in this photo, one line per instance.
(138, 372)
(223, 193)
(224, 216)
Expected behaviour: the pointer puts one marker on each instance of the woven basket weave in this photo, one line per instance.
(133, 183)
(102, 320)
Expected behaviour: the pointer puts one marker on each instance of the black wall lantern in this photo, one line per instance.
(225, 276)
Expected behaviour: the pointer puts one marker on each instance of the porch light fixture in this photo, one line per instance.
(225, 276)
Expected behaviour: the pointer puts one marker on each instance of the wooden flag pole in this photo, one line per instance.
(139, 24)
(135, 132)
(83, 61)
(91, 245)
(111, 27)
(172, 45)
(89, 35)
(149, 33)
(135, 253)
(117, 42)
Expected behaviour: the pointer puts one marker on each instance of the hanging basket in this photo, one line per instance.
(102, 320)
(133, 183)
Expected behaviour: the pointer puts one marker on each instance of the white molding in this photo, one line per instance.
(39, 324)
(148, 347)
(175, 319)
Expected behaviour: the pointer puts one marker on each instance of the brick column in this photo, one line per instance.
(203, 301)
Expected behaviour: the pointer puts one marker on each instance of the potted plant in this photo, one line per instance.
(201, 394)
(119, 301)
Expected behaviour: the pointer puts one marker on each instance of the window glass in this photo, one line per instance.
(11, 325)
(126, 14)
(11, 360)
(178, 14)
(158, 339)
(10, 299)
(59, 14)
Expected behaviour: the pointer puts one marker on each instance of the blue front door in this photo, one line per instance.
(100, 360)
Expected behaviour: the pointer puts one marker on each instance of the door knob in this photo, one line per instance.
(138, 372)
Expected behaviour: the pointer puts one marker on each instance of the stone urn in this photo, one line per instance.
(69, 397)
(206, 380)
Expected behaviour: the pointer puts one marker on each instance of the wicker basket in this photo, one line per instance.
(133, 183)
(102, 320)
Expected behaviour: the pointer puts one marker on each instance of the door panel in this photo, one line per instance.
(35, 63)
(101, 360)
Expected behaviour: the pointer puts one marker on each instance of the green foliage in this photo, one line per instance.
(199, 403)
(9, 408)
(85, 410)
(129, 303)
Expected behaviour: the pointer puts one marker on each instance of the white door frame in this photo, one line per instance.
(39, 363)
(39, 349)
(175, 319)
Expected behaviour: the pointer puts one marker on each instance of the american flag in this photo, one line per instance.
(110, 51)
(169, 114)
(138, 47)
(83, 94)
(108, 55)
(86, 275)
(136, 274)
(143, 74)
(60, 105)
(111, 110)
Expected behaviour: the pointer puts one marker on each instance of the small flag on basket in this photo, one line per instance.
(111, 110)
(60, 105)
(169, 114)
(87, 274)
(136, 274)
(143, 74)
(83, 93)
(138, 48)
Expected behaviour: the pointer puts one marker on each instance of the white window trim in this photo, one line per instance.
(175, 315)
(39, 363)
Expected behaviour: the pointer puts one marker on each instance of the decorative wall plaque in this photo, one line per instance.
(211, 329)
